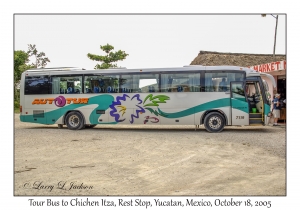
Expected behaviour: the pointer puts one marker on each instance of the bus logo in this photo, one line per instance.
(60, 101)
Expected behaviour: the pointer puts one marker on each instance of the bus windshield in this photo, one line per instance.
(267, 93)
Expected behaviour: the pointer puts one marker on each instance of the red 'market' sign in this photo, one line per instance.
(273, 66)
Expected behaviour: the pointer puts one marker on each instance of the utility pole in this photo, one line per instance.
(275, 35)
(276, 17)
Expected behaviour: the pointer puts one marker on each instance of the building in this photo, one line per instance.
(278, 70)
(260, 62)
(276, 66)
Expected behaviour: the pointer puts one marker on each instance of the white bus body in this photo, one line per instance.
(215, 96)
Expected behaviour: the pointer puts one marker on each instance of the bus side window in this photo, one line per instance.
(37, 85)
(97, 88)
(151, 89)
(180, 82)
(70, 90)
(223, 85)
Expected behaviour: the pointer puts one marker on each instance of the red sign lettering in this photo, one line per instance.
(268, 67)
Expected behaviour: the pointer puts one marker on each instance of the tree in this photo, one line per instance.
(108, 59)
(20, 60)
(20, 65)
(40, 59)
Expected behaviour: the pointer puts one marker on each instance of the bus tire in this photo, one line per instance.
(214, 122)
(74, 121)
(90, 126)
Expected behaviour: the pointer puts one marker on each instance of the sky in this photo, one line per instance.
(150, 40)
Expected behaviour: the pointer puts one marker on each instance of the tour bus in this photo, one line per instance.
(213, 96)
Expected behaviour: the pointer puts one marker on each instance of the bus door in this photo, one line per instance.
(255, 98)
(239, 104)
(267, 95)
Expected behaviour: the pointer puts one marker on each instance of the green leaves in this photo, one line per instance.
(40, 57)
(107, 48)
(108, 59)
(155, 100)
(20, 63)
(156, 112)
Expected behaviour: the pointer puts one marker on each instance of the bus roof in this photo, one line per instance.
(54, 69)
(75, 70)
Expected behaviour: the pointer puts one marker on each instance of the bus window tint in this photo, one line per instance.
(101, 84)
(36, 85)
(184, 82)
(220, 82)
(238, 91)
(141, 83)
(66, 84)
(148, 83)
(126, 84)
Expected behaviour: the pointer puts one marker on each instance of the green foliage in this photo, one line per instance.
(20, 65)
(16, 99)
(21, 60)
(108, 60)
(40, 59)
(16, 106)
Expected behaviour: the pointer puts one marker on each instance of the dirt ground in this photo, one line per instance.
(148, 160)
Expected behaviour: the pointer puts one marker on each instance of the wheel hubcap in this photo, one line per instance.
(215, 122)
(74, 121)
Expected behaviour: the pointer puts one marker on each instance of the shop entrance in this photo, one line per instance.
(281, 88)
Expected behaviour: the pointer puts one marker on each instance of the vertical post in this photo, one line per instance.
(264, 15)
(275, 37)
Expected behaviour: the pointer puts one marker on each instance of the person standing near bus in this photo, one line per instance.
(276, 109)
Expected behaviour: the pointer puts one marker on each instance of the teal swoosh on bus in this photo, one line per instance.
(242, 105)
(103, 102)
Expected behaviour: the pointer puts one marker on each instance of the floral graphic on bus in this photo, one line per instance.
(123, 109)
(154, 101)
(120, 105)
(152, 119)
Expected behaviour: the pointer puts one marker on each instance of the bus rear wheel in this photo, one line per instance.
(214, 122)
(74, 121)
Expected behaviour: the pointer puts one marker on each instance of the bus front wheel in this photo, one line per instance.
(214, 122)
(74, 121)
